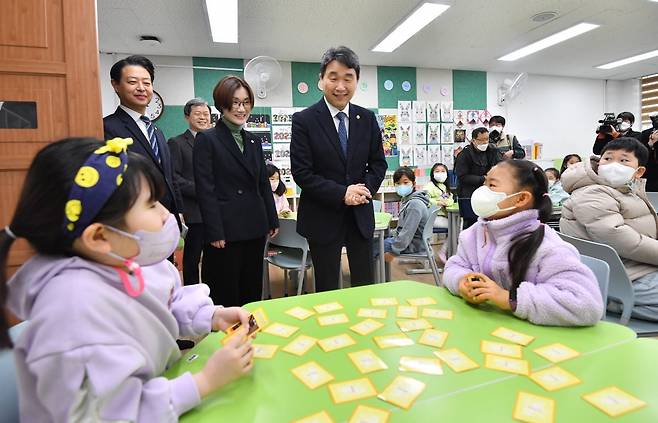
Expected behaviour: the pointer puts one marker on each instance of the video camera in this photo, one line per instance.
(608, 122)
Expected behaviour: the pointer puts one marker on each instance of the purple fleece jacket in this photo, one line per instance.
(91, 352)
(557, 290)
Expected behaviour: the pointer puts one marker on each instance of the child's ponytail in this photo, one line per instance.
(6, 239)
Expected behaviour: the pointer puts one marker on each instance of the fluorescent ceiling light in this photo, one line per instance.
(628, 60)
(561, 36)
(223, 19)
(420, 17)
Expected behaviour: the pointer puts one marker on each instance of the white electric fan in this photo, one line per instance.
(511, 88)
(263, 73)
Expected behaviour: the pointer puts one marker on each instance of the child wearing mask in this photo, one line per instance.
(511, 259)
(608, 205)
(440, 194)
(555, 190)
(278, 191)
(568, 161)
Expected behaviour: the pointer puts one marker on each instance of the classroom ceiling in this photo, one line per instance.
(471, 35)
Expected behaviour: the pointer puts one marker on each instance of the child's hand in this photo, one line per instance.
(466, 291)
(223, 318)
(226, 364)
(389, 257)
(488, 290)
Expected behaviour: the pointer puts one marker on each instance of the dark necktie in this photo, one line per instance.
(150, 129)
(342, 131)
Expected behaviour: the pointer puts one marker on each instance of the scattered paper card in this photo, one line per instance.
(390, 341)
(312, 374)
(436, 313)
(352, 390)
(402, 392)
(300, 313)
(325, 308)
(506, 364)
(407, 312)
(613, 401)
(377, 313)
(336, 342)
(533, 408)
(300, 345)
(513, 336)
(264, 350)
(384, 301)
(554, 378)
(321, 417)
(332, 319)
(556, 352)
(261, 317)
(498, 348)
(279, 329)
(367, 361)
(367, 414)
(433, 338)
(413, 325)
(430, 366)
(366, 327)
(422, 301)
(456, 360)
(251, 332)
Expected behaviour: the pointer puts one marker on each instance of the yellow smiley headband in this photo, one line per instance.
(94, 184)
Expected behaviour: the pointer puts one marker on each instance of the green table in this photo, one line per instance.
(382, 223)
(272, 394)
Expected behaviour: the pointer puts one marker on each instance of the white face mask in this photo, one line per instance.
(624, 126)
(551, 183)
(484, 201)
(616, 174)
(440, 176)
(482, 147)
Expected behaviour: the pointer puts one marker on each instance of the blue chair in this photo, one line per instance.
(292, 254)
(602, 272)
(9, 394)
(376, 206)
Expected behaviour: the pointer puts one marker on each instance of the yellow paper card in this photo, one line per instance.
(367, 361)
(498, 348)
(321, 417)
(312, 374)
(279, 329)
(413, 325)
(422, 301)
(390, 341)
(367, 414)
(456, 360)
(325, 308)
(513, 336)
(613, 401)
(352, 390)
(261, 317)
(433, 338)
(332, 319)
(300, 345)
(407, 312)
(264, 350)
(435, 313)
(506, 364)
(534, 409)
(383, 301)
(366, 327)
(300, 313)
(402, 392)
(430, 366)
(554, 378)
(377, 313)
(336, 342)
(556, 352)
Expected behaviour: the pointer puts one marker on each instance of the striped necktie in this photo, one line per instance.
(342, 131)
(150, 129)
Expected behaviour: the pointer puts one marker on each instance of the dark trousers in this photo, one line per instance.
(326, 258)
(192, 253)
(466, 212)
(234, 273)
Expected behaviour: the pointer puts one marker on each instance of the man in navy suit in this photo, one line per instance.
(337, 159)
(132, 80)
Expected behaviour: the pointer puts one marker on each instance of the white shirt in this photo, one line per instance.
(193, 133)
(334, 111)
(136, 117)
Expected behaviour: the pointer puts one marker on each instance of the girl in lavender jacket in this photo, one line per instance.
(510, 258)
(104, 305)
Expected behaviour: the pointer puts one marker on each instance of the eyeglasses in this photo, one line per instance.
(236, 104)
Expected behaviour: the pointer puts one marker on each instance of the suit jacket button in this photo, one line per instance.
(240, 191)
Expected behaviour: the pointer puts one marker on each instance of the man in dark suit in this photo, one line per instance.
(337, 159)
(132, 80)
(197, 115)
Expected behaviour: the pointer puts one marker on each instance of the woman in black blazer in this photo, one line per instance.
(235, 199)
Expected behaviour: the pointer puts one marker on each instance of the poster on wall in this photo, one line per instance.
(447, 135)
(447, 156)
(406, 155)
(419, 134)
(460, 135)
(258, 122)
(433, 131)
(434, 154)
(404, 133)
(420, 155)
(404, 111)
(433, 111)
(282, 115)
(265, 139)
(485, 115)
(281, 133)
(460, 118)
(281, 151)
(419, 108)
(472, 117)
(388, 124)
(446, 111)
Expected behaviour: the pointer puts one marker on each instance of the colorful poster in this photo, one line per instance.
(265, 139)
(281, 152)
(419, 134)
(433, 131)
(448, 157)
(388, 124)
(282, 115)
(420, 155)
(460, 135)
(404, 133)
(433, 111)
(404, 111)
(419, 111)
(258, 122)
(472, 117)
(281, 133)
(460, 118)
(406, 155)
(485, 115)
(434, 154)
(446, 111)
(447, 135)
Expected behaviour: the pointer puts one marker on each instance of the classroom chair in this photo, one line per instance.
(653, 199)
(376, 206)
(620, 287)
(9, 394)
(292, 253)
(428, 255)
(602, 272)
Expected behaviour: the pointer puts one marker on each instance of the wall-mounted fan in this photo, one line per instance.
(263, 73)
(511, 88)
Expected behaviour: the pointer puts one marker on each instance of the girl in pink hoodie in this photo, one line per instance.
(511, 259)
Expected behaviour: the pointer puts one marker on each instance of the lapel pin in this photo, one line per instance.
(358, 116)
(252, 141)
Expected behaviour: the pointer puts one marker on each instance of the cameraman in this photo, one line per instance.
(507, 144)
(650, 140)
(607, 133)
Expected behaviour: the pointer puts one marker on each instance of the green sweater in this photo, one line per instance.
(439, 193)
(236, 131)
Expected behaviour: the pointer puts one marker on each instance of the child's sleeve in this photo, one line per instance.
(405, 234)
(458, 265)
(564, 293)
(192, 308)
(101, 383)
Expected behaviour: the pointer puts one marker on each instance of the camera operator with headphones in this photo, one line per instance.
(650, 140)
(612, 128)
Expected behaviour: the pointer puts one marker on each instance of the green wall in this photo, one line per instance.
(469, 90)
(206, 79)
(389, 99)
(309, 73)
(171, 121)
